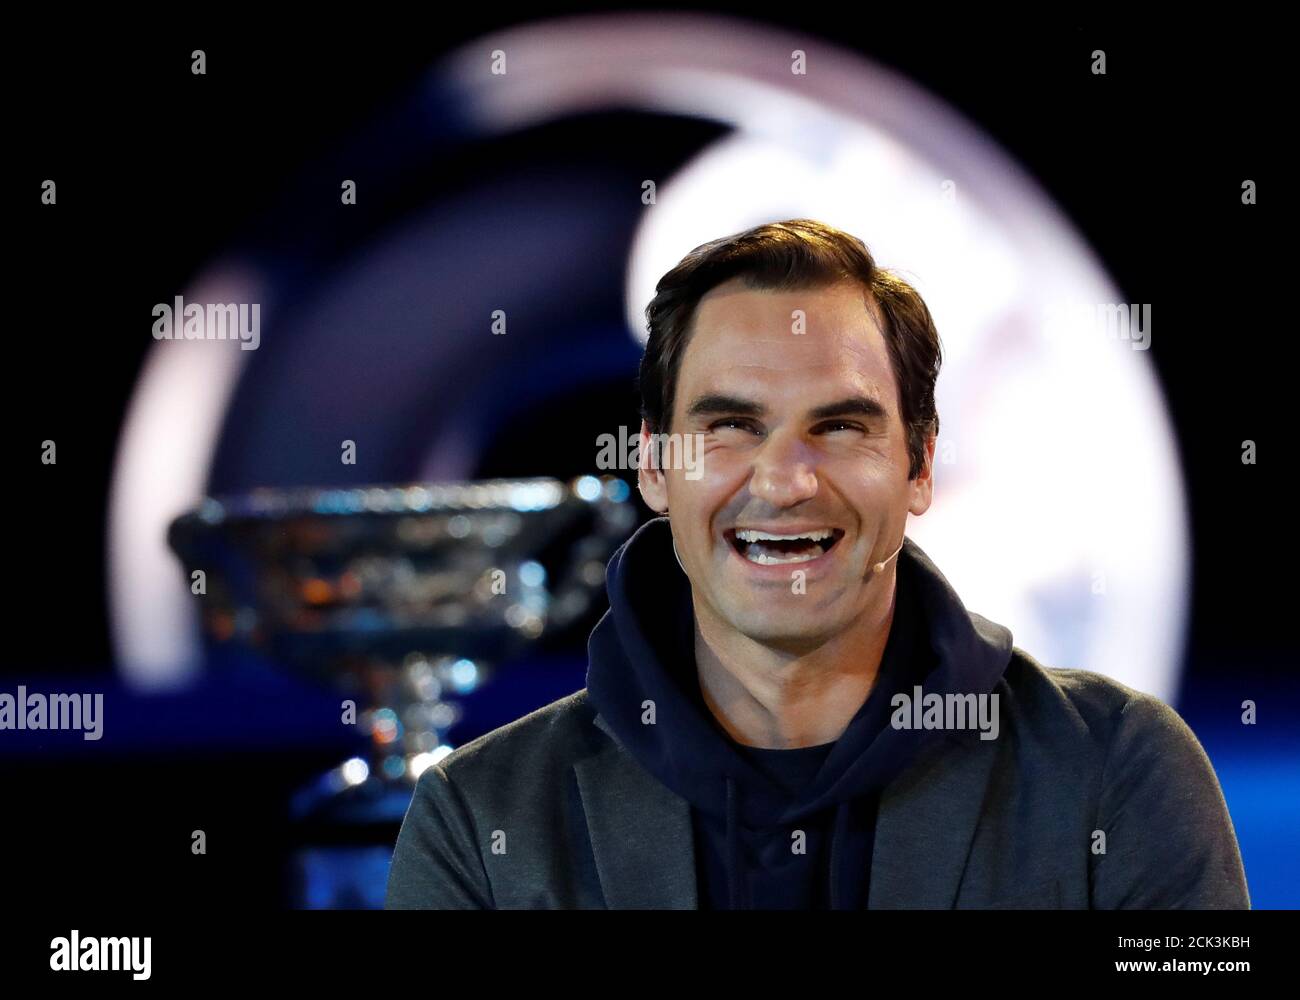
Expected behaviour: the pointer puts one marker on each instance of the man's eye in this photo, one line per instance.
(729, 421)
(748, 425)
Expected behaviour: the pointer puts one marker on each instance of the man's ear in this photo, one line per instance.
(923, 484)
(650, 478)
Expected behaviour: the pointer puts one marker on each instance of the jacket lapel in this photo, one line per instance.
(640, 832)
(926, 822)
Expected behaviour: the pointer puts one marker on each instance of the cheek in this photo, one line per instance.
(708, 486)
(718, 461)
(858, 480)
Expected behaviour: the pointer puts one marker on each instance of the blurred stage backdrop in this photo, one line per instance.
(450, 265)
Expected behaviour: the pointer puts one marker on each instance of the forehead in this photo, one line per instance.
(744, 339)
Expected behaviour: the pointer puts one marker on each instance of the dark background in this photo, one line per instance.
(1147, 161)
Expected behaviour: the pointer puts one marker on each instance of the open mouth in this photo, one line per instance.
(768, 549)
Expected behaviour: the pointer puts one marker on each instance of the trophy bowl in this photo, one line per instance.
(401, 597)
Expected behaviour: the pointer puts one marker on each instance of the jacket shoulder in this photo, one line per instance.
(554, 735)
(1084, 701)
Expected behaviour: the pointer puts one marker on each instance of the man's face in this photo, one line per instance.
(779, 454)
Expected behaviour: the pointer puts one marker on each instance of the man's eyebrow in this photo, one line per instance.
(721, 403)
(861, 406)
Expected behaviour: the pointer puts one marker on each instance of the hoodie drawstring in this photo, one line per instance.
(837, 838)
(733, 853)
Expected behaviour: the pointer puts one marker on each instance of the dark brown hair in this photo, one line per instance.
(794, 255)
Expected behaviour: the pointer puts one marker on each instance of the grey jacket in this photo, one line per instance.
(1094, 795)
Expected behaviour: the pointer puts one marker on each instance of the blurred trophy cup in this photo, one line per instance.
(402, 598)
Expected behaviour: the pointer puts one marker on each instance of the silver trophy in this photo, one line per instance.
(401, 597)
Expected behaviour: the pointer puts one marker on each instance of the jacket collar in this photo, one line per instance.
(643, 840)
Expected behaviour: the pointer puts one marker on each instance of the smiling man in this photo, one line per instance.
(787, 705)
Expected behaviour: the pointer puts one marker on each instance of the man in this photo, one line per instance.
(787, 706)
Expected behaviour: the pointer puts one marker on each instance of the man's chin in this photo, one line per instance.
(781, 629)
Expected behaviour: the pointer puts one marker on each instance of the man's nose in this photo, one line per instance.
(785, 471)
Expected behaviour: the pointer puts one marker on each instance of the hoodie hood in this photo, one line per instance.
(642, 651)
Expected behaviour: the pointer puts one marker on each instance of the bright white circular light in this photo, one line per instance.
(355, 771)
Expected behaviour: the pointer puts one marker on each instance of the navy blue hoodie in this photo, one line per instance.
(749, 804)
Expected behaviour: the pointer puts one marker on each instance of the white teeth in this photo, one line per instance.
(758, 536)
(763, 559)
(753, 549)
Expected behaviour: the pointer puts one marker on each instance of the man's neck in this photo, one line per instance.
(768, 697)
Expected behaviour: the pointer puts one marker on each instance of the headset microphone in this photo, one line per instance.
(880, 566)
